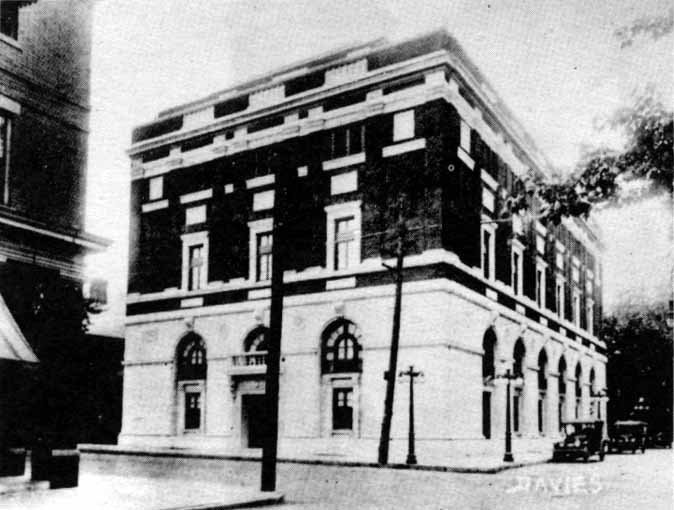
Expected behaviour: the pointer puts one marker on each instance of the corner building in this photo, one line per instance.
(479, 297)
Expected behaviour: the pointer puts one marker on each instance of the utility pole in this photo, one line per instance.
(270, 439)
(393, 354)
(411, 457)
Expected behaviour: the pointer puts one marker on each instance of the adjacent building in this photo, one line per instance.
(480, 296)
(44, 111)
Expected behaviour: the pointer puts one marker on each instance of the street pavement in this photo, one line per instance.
(620, 482)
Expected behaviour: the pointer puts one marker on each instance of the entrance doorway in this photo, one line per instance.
(253, 420)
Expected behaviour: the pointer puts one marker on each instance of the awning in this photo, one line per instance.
(13, 345)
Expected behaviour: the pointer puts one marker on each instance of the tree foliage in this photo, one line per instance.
(603, 175)
(639, 378)
(654, 27)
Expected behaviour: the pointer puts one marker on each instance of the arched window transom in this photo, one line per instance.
(191, 355)
(257, 340)
(340, 349)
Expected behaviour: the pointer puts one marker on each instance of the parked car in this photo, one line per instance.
(582, 439)
(628, 435)
(660, 439)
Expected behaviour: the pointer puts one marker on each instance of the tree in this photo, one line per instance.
(639, 375)
(604, 175)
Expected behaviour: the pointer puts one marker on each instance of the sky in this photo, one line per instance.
(556, 64)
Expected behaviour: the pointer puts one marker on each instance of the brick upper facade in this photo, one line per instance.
(226, 150)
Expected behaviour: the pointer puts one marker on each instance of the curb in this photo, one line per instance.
(313, 462)
(275, 499)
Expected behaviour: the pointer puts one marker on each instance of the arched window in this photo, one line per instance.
(542, 370)
(191, 378)
(579, 389)
(542, 389)
(340, 348)
(257, 340)
(518, 370)
(593, 399)
(561, 389)
(488, 372)
(518, 358)
(489, 348)
(191, 358)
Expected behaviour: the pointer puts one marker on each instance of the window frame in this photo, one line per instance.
(560, 292)
(190, 240)
(517, 249)
(15, 6)
(256, 227)
(334, 213)
(541, 286)
(488, 272)
(263, 259)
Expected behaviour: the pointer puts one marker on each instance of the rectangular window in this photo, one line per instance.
(590, 318)
(9, 18)
(345, 238)
(486, 254)
(192, 410)
(576, 309)
(540, 287)
(195, 215)
(403, 125)
(559, 298)
(342, 408)
(196, 267)
(156, 188)
(264, 248)
(465, 136)
(516, 279)
(347, 141)
(5, 133)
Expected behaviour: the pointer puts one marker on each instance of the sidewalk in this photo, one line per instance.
(455, 457)
(132, 492)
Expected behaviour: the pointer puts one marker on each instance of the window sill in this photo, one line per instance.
(353, 159)
(154, 206)
(403, 147)
(465, 157)
(11, 42)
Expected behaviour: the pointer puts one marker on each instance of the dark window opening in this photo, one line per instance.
(191, 355)
(344, 100)
(155, 154)
(264, 256)
(342, 408)
(235, 105)
(266, 123)
(405, 83)
(196, 143)
(157, 129)
(304, 83)
(9, 18)
(257, 340)
(341, 350)
(4, 158)
(347, 141)
(192, 410)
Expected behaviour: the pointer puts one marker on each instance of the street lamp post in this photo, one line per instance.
(411, 373)
(508, 456)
